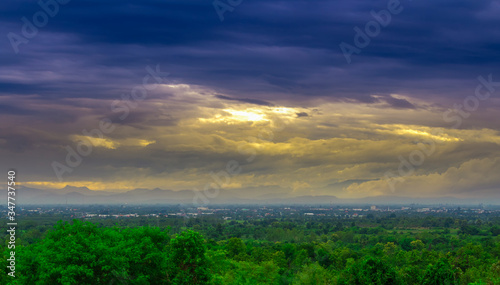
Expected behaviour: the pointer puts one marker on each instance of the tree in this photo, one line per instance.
(417, 244)
(78, 253)
(144, 248)
(236, 249)
(249, 273)
(405, 243)
(448, 222)
(370, 271)
(439, 273)
(187, 263)
(313, 274)
(82, 253)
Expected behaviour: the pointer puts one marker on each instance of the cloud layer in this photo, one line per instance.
(269, 81)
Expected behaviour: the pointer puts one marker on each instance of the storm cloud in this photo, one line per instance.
(233, 80)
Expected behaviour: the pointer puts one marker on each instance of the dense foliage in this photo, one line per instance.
(266, 251)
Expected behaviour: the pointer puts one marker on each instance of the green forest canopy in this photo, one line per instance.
(88, 253)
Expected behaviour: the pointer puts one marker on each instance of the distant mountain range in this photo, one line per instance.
(257, 195)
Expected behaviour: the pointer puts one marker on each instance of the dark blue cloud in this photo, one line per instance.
(246, 100)
(262, 50)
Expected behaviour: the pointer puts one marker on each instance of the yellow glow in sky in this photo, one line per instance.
(97, 142)
(251, 115)
(284, 110)
(262, 114)
(426, 134)
(231, 116)
(92, 185)
(146, 142)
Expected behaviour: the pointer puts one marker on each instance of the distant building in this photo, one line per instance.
(373, 208)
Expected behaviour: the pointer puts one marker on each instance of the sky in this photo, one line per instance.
(346, 98)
